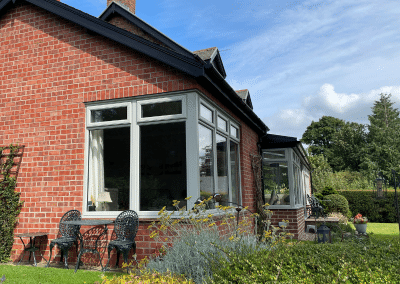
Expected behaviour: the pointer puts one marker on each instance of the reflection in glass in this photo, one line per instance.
(206, 113)
(222, 124)
(274, 154)
(109, 114)
(222, 167)
(162, 108)
(109, 170)
(297, 185)
(234, 132)
(206, 161)
(276, 183)
(235, 178)
(162, 165)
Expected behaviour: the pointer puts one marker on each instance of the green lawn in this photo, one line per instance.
(25, 274)
(383, 230)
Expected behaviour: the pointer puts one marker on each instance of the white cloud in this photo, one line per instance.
(349, 107)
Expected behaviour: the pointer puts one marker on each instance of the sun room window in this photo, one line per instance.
(285, 179)
(142, 152)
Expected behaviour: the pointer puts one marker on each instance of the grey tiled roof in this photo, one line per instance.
(243, 94)
(206, 54)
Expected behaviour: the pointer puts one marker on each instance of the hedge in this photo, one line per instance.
(376, 210)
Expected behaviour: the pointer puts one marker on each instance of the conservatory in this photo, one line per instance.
(286, 180)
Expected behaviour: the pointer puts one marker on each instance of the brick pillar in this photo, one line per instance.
(129, 5)
(294, 216)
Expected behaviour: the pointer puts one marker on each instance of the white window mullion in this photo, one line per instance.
(135, 161)
(192, 150)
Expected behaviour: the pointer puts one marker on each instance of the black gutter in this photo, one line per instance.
(214, 80)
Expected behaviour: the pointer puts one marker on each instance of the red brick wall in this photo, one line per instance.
(294, 216)
(48, 69)
(124, 24)
(131, 4)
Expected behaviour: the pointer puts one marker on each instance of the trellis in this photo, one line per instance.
(10, 162)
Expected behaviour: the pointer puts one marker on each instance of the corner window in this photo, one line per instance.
(144, 153)
(283, 177)
(218, 157)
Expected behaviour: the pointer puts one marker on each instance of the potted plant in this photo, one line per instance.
(92, 206)
(360, 223)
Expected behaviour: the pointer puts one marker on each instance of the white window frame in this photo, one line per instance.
(215, 130)
(89, 110)
(161, 117)
(291, 161)
(190, 115)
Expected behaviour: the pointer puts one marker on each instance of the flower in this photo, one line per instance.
(359, 219)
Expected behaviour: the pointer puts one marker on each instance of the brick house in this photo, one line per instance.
(111, 108)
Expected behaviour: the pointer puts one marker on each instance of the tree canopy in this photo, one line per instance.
(352, 146)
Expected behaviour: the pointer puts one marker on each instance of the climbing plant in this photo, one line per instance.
(10, 204)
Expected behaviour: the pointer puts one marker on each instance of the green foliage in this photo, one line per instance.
(353, 147)
(376, 210)
(10, 204)
(383, 138)
(328, 190)
(354, 262)
(337, 203)
(144, 276)
(319, 135)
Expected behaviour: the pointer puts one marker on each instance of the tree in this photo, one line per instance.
(383, 137)
(349, 147)
(319, 135)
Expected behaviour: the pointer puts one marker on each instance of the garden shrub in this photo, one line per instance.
(336, 203)
(376, 210)
(354, 262)
(147, 277)
(10, 204)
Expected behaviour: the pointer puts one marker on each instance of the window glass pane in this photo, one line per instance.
(234, 132)
(297, 185)
(109, 170)
(162, 165)
(222, 124)
(222, 168)
(109, 114)
(206, 113)
(206, 157)
(274, 154)
(163, 108)
(235, 175)
(276, 183)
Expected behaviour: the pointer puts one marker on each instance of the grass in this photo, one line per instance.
(382, 231)
(24, 274)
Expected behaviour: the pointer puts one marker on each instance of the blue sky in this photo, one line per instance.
(300, 60)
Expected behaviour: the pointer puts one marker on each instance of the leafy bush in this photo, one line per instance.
(376, 210)
(10, 204)
(336, 203)
(198, 236)
(328, 190)
(353, 262)
(146, 277)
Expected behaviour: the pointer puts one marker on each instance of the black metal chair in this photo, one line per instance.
(125, 227)
(69, 235)
(316, 209)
